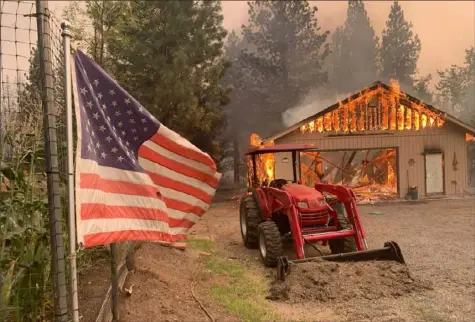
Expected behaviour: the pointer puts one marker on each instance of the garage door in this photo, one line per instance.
(434, 173)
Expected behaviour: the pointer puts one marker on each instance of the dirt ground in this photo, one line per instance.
(229, 281)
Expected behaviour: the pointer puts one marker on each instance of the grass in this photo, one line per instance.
(240, 294)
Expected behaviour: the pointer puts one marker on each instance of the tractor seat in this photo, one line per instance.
(277, 183)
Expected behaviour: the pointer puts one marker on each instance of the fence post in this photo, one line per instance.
(114, 283)
(71, 205)
(51, 161)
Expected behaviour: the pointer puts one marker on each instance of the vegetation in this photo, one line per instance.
(232, 286)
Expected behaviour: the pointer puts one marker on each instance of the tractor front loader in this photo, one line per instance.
(285, 210)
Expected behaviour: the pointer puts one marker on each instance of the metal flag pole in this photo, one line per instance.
(66, 34)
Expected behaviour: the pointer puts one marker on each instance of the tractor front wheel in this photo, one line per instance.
(343, 245)
(250, 219)
(270, 243)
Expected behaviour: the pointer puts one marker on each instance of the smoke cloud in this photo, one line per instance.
(314, 102)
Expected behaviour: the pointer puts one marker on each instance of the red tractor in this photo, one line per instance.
(285, 210)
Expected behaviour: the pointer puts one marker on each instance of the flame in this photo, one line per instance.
(265, 163)
(391, 175)
(469, 137)
(408, 119)
(423, 120)
(392, 112)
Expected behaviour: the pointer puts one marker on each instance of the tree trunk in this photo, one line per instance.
(237, 161)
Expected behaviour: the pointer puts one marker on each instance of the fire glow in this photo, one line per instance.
(385, 113)
(264, 162)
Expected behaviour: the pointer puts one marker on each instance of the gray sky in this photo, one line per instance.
(445, 28)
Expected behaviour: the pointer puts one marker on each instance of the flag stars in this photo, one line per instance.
(93, 133)
(136, 138)
(127, 143)
(102, 128)
(95, 116)
(111, 92)
(144, 120)
(117, 113)
(127, 101)
(108, 139)
(84, 91)
(140, 109)
(120, 124)
(129, 112)
(99, 95)
(120, 158)
(134, 130)
(103, 155)
(114, 103)
(132, 121)
(123, 133)
(114, 149)
(145, 129)
(98, 145)
(96, 82)
(89, 104)
(104, 106)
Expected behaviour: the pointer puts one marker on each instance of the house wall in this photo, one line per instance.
(411, 145)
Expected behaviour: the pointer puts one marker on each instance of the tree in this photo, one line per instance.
(354, 51)
(168, 55)
(421, 88)
(457, 86)
(400, 49)
(286, 56)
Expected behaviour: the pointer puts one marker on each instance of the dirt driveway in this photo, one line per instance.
(437, 240)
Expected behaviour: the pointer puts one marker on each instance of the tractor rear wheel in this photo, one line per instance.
(250, 219)
(270, 243)
(343, 245)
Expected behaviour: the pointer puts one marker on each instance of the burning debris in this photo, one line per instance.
(370, 173)
(376, 110)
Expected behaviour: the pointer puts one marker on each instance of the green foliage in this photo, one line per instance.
(457, 87)
(25, 290)
(283, 59)
(168, 55)
(354, 51)
(400, 49)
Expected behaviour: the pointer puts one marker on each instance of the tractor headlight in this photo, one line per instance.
(302, 204)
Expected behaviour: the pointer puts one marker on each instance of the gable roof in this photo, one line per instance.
(376, 85)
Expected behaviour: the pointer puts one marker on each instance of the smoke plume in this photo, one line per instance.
(314, 102)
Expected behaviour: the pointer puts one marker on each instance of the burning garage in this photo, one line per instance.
(381, 142)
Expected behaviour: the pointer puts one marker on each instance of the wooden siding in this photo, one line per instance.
(450, 139)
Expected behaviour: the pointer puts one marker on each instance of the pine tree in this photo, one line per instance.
(400, 49)
(355, 51)
(168, 55)
(457, 87)
(289, 53)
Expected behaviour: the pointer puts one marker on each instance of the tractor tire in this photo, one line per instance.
(250, 219)
(270, 243)
(343, 245)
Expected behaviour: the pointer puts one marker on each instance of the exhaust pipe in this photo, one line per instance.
(391, 251)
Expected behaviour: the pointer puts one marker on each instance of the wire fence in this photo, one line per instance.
(33, 177)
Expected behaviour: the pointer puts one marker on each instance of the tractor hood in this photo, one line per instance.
(304, 194)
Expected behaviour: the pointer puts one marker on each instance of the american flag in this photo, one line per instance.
(135, 178)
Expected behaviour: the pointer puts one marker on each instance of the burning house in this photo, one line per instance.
(381, 142)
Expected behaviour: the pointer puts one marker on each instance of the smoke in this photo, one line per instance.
(314, 102)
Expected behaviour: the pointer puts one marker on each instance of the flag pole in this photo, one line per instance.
(71, 207)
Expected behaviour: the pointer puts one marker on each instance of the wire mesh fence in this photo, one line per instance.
(29, 235)
(33, 154)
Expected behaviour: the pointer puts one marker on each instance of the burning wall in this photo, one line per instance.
(376, 110)
(265, 163)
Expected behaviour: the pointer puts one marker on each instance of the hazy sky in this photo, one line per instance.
(446, 28)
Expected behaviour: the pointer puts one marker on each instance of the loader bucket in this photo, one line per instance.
(390, 251)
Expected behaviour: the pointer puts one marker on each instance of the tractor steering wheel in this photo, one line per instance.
(278, 183)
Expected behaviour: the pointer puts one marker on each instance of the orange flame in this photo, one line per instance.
(392, 111)
(264, 162)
